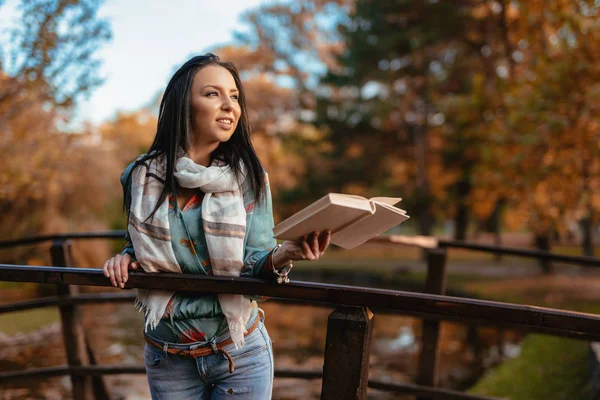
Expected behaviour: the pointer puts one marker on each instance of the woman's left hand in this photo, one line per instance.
(310, 247)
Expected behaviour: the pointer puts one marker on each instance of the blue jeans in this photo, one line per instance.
(208, 378)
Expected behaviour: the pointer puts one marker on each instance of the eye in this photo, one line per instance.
(235, 97)
(211, 93)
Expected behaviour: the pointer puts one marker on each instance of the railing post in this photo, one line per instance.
(435, 284)
(347, 350)
(73, 335)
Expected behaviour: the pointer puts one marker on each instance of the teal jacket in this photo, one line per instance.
(192, 319)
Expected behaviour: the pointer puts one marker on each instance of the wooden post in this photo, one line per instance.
(435, 284)
(347, 350)
(100, 390)
(73, 335)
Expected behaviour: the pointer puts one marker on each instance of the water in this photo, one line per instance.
(298, 333)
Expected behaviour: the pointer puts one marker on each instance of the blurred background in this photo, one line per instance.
(483, 115)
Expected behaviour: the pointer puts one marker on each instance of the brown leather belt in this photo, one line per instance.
(204, 350)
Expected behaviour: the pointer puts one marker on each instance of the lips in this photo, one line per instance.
(225, 123)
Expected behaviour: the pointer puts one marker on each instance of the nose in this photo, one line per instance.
(227, 104)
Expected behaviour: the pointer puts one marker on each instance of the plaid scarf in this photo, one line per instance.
(223, 220)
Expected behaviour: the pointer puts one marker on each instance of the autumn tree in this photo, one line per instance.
(50, 56)
(386, 66)
(48, 63)
(399, 61)
(550, 131)
(475, 84)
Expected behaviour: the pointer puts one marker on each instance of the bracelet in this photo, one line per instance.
(282, 273)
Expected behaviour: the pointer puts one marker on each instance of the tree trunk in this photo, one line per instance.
(421, 151)
(587, 222)
(587, 240)
(425, 222)
(542, 242)
(461, 221)
(497, 225)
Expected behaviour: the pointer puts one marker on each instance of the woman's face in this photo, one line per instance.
(214, 105)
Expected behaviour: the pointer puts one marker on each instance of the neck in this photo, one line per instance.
(200, 153)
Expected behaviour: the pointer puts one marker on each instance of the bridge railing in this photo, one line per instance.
(349, 329)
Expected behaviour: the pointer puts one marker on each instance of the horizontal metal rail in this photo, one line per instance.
(101, 370)
(535, 319)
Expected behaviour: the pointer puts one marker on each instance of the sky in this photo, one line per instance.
(150, 39)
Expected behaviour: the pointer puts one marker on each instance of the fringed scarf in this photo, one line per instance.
(223, 220)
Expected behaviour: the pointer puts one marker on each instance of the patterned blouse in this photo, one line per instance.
(193, 319)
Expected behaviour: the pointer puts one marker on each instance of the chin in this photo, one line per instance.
(215, 135)
(224, 137)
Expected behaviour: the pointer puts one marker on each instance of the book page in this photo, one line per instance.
(386, 200)
(391, 207)
(385, 218)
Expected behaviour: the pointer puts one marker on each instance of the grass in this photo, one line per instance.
(547, 368)
(11, 285)
(573, 250)
(28, 321)
(539, 291)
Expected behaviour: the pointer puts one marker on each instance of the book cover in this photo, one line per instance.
(352, 219)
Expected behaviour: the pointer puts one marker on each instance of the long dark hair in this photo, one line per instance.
(173, 132)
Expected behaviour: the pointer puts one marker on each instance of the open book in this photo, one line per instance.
(352, 219)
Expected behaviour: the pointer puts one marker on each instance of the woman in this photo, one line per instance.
(199, 202)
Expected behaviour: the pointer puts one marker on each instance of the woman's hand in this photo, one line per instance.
(310, 247)
(116, 269)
